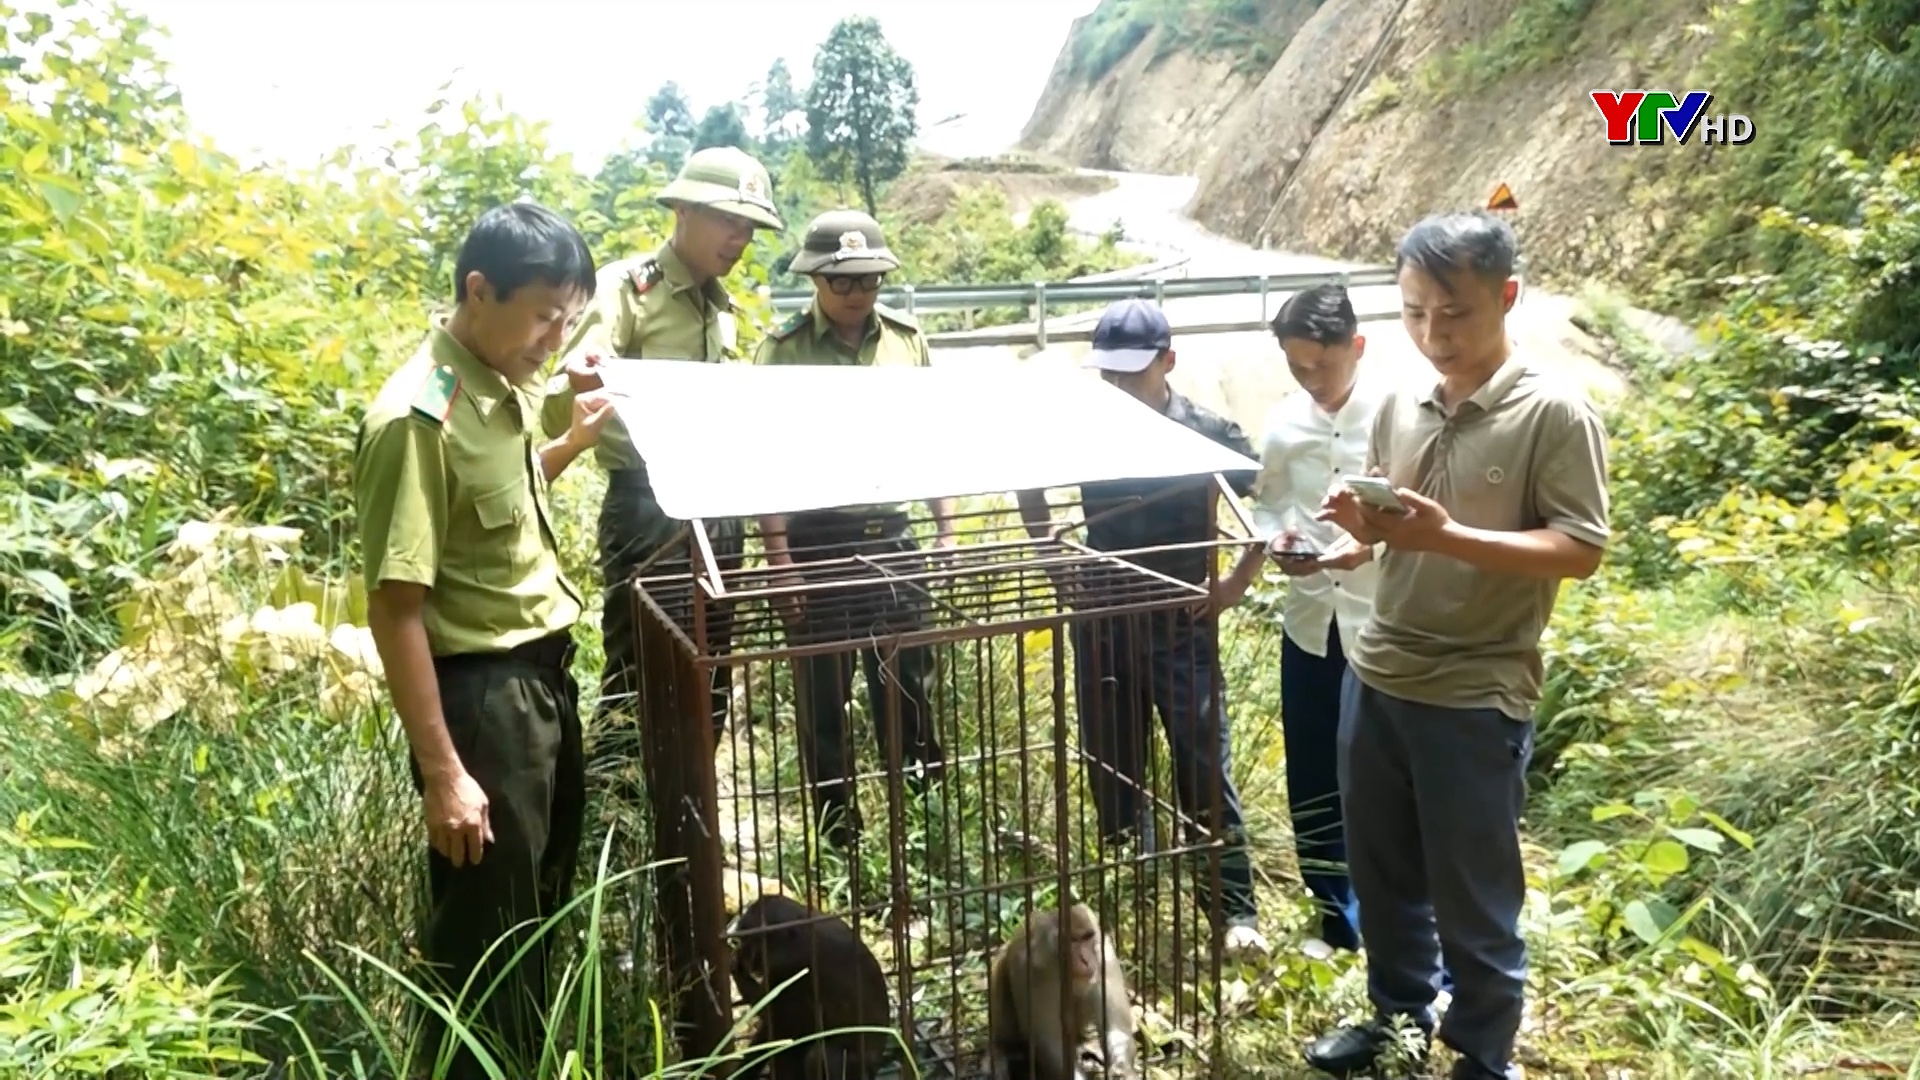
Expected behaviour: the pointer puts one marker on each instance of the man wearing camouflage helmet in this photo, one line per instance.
(847, 258)
(667, 305)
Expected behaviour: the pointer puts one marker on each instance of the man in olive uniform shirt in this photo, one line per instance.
(668, 305)
(848, 260)
(470, 610)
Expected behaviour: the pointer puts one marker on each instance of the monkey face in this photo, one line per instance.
(749, 969)
(1085, 954)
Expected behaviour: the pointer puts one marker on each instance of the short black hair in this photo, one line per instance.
(1322, 313)
(521, 243)
(1443, 246)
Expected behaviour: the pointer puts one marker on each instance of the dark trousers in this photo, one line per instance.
(1310, 719)
(1433, 799)
(1124, 668)
(904, 676)
(514, 719)
(632, 529)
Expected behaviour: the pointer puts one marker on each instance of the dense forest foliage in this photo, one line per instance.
(207, 837)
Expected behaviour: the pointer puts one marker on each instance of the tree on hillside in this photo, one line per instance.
(722, 126)
(670, 119)
(782, 111)
(861, 108)
(618, 187)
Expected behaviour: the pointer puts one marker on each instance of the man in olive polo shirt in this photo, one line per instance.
(847, 258)
(669, 305)
(471, 613)
(1502, 471)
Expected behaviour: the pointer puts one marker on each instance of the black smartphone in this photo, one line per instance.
(1292, 553)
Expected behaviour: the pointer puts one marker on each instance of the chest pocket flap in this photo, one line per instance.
(499, 507)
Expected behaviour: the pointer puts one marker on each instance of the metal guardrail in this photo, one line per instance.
(911, 297)
(1042, 293)
(1031, 335)
(1163, 268)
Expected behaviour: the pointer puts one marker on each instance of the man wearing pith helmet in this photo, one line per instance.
(666, 305)
(847, 258)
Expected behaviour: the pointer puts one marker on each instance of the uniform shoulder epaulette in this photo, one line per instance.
(897, 317)
(645, 275)
(434, 400)
(793, 324)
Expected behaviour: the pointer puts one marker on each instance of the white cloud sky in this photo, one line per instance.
(295, 80)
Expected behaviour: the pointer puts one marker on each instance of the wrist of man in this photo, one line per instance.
(441, 772)
(1451, 538)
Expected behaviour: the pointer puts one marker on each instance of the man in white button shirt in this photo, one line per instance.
(1312, 439)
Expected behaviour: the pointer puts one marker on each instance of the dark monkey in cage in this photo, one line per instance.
(1033, 1039)
(840, 985)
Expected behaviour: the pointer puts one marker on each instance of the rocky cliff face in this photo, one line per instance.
(1141, 116)
(1347, 138)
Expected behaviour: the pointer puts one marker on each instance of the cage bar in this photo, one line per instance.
(953, 847)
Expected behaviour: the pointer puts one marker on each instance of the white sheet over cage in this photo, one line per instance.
(733, 440)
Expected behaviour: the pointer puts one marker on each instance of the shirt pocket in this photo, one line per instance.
(499, 556)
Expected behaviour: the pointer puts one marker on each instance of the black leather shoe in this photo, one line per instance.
(1350, 1050)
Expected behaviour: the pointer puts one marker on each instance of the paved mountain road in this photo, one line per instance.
(1244, 374)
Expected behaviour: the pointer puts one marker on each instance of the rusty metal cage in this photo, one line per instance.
(951, 840)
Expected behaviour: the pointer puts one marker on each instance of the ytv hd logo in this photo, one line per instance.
(1638, 116)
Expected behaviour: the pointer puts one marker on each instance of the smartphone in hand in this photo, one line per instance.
(1377, 493)
(1292, 547)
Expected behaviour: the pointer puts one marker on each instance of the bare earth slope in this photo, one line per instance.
(1343, 142)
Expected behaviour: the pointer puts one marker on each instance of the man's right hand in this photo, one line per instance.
(583, 373)
(1292, 565)
(591, 410)
(1342, 507)
(457, 821)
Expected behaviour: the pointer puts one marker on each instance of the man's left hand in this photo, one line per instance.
(1421, 528)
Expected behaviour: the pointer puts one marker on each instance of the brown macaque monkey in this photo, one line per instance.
(842, 987)
(1032, 1039)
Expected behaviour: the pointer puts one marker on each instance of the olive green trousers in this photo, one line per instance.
(514, 719)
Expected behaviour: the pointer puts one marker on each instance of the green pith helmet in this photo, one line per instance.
(729, 179)
(844, 242)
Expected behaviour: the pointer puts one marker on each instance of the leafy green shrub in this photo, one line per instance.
(1816, 76)
(1811, 373)
(978, 241)
(1622, 888)
(182, 335)
(1208, 27)
(1538, 34)
(84, 987)
(229, 764)
(1594, 650)
(1114, 30)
